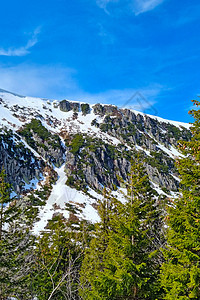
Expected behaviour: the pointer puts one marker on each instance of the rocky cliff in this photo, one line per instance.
(96, 143)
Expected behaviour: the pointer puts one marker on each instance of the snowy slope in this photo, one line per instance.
(16, 110)
(48, 108)
(62, 194)
(159, 119)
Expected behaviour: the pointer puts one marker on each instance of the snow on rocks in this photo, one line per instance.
(60, 195)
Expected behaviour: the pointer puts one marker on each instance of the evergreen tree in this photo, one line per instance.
(94, 263)
(15, 241)
(58, 257)
(122, 262)
(181, 270)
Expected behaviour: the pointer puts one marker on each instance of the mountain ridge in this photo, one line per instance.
(92, 144)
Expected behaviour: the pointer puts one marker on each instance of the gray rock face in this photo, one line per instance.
(138, 129)
(92, 162)
(51, 154)
(100, 167)
(98, 164)
(64, 105)
(67, 106)
(19, 162)
(47, 144)
(106, 110)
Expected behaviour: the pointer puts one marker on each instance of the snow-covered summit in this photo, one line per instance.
(15, 110)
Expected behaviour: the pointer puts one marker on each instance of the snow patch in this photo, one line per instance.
(60, 195)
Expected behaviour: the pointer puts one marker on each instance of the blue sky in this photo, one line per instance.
(104, 51)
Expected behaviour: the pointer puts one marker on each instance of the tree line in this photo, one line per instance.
(142, 247)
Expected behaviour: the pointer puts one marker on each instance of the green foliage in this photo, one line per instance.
(131, 129)
(44, 193)
(15, 246)
(70, 181)
(58, 257)
(5, 190)
(85, 108)
(160, 161)
(174, 131)
(122, 260)
(180, 273)
(35, 126)
(105, 127)
(77, 143)
(111, 151)
(95, 123)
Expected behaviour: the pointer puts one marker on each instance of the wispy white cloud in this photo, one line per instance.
(24, 50)
(142, 99)
(137, 6)
(51, 81)
(57, 82)
(142, 6)
(104, 3)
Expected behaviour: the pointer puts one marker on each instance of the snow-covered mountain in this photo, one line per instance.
(64, 152)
